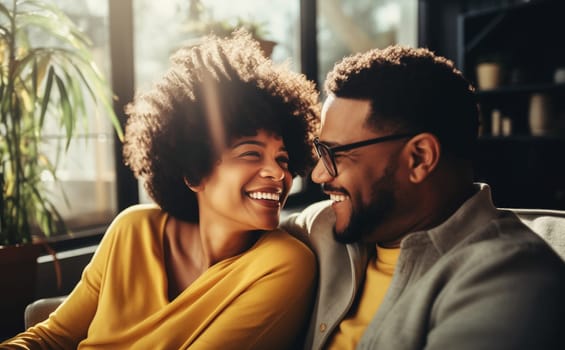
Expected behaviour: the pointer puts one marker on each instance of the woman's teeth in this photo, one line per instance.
(265, 195)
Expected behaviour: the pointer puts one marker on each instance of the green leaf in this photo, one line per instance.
(67, 117)
(28, 100)
(60, 16)
(92, 77)
(5, 31)
(46, 96)
(34, 73)
(57, 27)
(5, 11)
(44, 64)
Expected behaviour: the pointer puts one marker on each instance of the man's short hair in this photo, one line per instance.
(411, 90)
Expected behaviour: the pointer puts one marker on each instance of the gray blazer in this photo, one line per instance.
(480, 280)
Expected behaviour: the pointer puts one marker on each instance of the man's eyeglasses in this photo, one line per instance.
(327, 153)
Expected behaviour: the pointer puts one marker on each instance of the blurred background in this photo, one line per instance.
(133, 40)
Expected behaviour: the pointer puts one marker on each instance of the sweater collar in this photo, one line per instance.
(474, 212)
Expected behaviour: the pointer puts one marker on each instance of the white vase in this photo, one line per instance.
(489, 75)
(559, 75)
(540, 115)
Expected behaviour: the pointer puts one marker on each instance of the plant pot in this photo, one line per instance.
(267, 46)
(18, 271)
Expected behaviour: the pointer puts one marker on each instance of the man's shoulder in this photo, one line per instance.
(505, 246)
(311, 216)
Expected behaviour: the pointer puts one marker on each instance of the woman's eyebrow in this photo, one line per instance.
(255, 142)
(249, 142)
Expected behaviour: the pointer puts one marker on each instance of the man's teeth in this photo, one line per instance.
(337, 197)
(265, 195)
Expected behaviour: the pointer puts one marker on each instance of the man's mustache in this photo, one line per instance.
(330, 188)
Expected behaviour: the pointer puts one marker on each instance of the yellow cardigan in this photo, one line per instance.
(260, 299)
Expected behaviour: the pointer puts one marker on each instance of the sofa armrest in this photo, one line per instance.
(40, 310)
(548, 224)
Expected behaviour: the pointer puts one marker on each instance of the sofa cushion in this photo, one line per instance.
(549, 224)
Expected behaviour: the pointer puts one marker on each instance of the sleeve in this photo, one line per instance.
(274, 311)
(516, 303)
(69, 323)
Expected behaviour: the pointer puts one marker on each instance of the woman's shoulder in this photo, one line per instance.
(279, 254)
(282, 237)
(137, 216)
(138, 212)
(285, 247)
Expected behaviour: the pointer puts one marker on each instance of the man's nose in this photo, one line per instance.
(320, 174)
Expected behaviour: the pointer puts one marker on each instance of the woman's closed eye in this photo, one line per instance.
(283, 161)
(250, 155)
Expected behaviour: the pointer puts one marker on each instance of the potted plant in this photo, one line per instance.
(227, 27)
(200, 23)
(47, 75)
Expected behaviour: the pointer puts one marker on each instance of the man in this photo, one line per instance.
(420, 257)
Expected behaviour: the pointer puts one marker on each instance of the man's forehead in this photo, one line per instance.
(344, 115)
(344, 120)
(329, 101)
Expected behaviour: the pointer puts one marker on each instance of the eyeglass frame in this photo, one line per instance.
(331, 151)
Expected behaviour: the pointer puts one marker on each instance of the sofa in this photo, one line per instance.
(549, 224)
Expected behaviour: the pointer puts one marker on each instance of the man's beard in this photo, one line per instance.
(365, 218)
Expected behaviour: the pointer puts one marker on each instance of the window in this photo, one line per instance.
(167, 24)
(86, 172)
(348, 26)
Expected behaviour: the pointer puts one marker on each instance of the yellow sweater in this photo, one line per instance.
(377, 280)
(257, 300)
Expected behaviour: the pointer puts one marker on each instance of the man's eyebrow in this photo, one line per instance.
(330, 143)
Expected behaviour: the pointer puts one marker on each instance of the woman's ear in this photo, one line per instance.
(193, 188)
(424, 153)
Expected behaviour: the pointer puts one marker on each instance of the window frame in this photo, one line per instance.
(123, 84)
(122, 68)
(122, 64)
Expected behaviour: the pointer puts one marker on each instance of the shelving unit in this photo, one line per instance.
(525, 170)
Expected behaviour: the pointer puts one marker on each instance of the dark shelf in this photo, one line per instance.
(522, 139)
(522, 89)
(527, 39)
(508, 9)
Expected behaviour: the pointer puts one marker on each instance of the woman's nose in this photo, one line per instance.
(273, 170)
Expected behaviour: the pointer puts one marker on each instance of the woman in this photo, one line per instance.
(217, 142)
